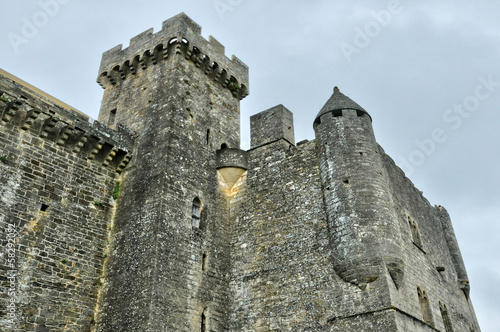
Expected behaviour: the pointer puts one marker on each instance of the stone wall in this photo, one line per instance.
(428, 257)
(281, 274)
(57, 177)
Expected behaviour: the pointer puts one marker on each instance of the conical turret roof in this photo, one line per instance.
(338, 101)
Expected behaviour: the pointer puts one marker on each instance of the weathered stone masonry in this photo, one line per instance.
(58, 173)
(153, 219)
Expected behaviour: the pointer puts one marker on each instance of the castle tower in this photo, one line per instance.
(170, 241)
(363, 227)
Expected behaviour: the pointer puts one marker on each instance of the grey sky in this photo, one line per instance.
(427, 73)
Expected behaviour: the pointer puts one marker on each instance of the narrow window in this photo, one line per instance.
(415, 234)
(204, 262)
(112, 117)
(425, 306)
(223, 146)
(203, 322)
(208, 136)
(446, 317)
(196, 212)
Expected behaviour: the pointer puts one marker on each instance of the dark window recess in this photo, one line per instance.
(44, 207)
(112, 117)
(204, 262)
(203, 322)
(195, 215)
(337, 113)
(208, 136)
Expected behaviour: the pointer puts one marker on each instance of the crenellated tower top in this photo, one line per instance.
(179, 35)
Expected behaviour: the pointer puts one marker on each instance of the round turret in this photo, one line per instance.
(364, 230)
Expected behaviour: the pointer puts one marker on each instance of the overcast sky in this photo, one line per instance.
(428, 73)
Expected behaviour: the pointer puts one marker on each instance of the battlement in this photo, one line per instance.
(179, 36)
(46, 118)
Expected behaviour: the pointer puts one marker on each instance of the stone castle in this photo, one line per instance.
(153, 219)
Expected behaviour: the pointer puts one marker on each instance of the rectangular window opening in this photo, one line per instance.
(204, 262)
(112, 117)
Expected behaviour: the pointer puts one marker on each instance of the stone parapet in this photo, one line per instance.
(22, 107)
